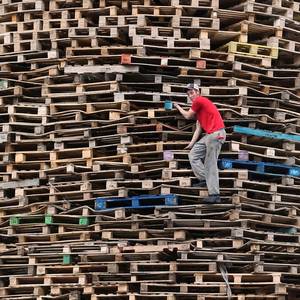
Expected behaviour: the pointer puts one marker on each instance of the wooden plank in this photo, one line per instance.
(265, 133)
(17, 184)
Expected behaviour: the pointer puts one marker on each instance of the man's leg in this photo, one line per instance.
(196, 157)
(214, 144)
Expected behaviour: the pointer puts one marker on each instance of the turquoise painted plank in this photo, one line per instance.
(266, 133)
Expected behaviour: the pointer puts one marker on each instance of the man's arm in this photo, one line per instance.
(190, 114)
(195, 137)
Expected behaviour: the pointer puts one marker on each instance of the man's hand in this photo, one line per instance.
(188, 147)
(176, 105)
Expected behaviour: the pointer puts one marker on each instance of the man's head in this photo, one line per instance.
(193, 90)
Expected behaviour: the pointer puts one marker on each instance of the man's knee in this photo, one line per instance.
(194, 159)
(191, 156)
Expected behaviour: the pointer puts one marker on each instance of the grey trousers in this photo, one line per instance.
(204, 159)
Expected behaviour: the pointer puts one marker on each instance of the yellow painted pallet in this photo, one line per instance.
(251, 49)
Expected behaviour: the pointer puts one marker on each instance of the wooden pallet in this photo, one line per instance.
(209, 3)
(264, 8)
(251, 50)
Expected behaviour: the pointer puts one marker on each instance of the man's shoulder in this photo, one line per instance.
(201, 99)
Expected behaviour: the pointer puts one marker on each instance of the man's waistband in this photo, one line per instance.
(216, 130)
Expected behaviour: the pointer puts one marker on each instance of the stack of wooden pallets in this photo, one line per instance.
(96, 193)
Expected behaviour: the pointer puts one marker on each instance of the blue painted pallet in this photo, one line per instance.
(266, 133)
(141, 201)
(261, 167)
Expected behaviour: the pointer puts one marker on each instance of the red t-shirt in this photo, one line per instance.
(207, 114)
